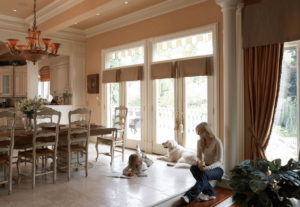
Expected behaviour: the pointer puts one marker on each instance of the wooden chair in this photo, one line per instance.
(40, 142)
(6, 120)
(113, 140)
(78, 141)
(6, 147)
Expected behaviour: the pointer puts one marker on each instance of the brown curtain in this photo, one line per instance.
(263, 67)
(162, 70)
(131, 74)
(44, 74)
(195, 67)
(111, 76)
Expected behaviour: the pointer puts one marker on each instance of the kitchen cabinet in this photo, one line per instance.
(6, 81)
(59, 75)
(20, 82)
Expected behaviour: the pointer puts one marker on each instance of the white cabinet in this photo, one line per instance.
(20, 82)
(64, 109)
(6, 82)
(59, 75)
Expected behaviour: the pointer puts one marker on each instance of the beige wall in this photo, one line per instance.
(195, 16)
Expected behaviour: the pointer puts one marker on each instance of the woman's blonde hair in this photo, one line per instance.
(206, 127)
(131, 161)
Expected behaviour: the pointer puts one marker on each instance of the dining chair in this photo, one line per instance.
(7, 140)
(113, 141)
(6, 122)
(77, 141)
(42, 139)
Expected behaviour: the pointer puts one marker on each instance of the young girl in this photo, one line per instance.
(138, 162)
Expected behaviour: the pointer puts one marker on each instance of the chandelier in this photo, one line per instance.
(33, 51)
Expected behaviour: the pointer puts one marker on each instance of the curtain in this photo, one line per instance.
(195, 67)
(263, 67)
(131, 74)
(111, 76)
(162, 70)
(44, 74)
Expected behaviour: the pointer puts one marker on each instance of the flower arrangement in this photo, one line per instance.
(264, 183)
(66, 95)
(28, 107)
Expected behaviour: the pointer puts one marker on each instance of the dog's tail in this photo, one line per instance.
(182, 165)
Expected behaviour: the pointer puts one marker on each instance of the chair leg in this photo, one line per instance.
(86, 161)
(123, 151)
(68, 167)
(97, 150)
(77, 160)
(54, 167)
(10, 177)
(111, 153)
(33, 172)
(19, 168)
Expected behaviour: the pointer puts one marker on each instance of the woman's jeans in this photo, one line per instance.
(202, 184)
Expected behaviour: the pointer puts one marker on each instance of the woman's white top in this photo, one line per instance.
(138, 170)
(213, 156)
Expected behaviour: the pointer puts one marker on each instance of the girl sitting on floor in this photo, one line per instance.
(138, 162)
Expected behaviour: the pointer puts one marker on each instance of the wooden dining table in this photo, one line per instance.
(23, 138)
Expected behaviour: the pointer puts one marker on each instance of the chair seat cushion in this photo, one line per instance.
(39, 152)
(74, 148)
(4, 158)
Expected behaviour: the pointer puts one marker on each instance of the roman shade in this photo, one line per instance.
(162, 70)
(131, 74)
(44, 74)
(195, 67)
(111, 76)
(271, 22)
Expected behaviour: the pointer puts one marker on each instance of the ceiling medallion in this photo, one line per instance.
(33, 52)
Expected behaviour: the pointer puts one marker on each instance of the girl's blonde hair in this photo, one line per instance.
(131, 161)
(206, 127)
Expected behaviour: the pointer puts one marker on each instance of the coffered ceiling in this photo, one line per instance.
(116, 12)
(24, 7)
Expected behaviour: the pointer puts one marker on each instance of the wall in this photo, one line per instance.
(187, 18)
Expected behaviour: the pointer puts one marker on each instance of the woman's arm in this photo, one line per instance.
(199, 151)
(219, 161)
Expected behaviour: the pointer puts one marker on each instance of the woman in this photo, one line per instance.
(211, 147)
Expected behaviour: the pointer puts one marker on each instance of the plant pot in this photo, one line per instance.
(28, 126)
(66, 101)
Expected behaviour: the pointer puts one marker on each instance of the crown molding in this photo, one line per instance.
(70, 34)
(53, 9)
(13, 21)
(147, 13)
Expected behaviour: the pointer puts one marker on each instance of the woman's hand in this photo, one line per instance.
(203, 168)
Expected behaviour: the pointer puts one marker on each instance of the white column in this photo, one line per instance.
(229, 8)
(32, 80)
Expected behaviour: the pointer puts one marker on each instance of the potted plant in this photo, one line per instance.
(66, 96)
(263, 183)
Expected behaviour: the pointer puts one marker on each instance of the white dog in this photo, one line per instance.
(184, 158)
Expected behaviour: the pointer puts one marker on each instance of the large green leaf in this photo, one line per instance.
(289, 191)
(273, 178)
(258, 185)
(239, 198)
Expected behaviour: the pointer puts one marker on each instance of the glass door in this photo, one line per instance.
(134, 118)
(113, 101)
(164, 113)
(195, 107)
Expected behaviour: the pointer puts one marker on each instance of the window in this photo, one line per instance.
(191, 46)
(284, 137)
(44, 90)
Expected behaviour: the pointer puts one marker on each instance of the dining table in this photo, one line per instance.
(25, 138)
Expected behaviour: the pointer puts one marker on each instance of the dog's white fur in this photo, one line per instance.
(183, 157)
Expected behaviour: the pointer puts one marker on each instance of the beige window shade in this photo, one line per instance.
(111, 76)
(195, 67)
(271, 22)
(162, 70)
(131, 74)
(44, 74)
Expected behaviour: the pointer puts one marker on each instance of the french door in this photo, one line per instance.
(185, 99)
(126, 94)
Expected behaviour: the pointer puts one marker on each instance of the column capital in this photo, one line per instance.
(229, 4)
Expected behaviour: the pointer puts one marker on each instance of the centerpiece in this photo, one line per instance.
(28, 107)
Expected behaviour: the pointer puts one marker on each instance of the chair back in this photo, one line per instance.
(45, 116)
(6, 119)
(36, 143)
(5, 136)
(86, 130)
(120, 119)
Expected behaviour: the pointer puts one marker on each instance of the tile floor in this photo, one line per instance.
(98, 190)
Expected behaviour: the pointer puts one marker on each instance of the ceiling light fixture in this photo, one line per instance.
(126, 2)
(35, 53)
(15, 10)
(97, 14)
(76, 23)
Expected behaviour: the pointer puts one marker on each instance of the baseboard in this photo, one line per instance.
(228, 202)
(224, 183)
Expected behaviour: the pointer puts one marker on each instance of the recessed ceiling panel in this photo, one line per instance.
(24, 8)
(132, 6)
